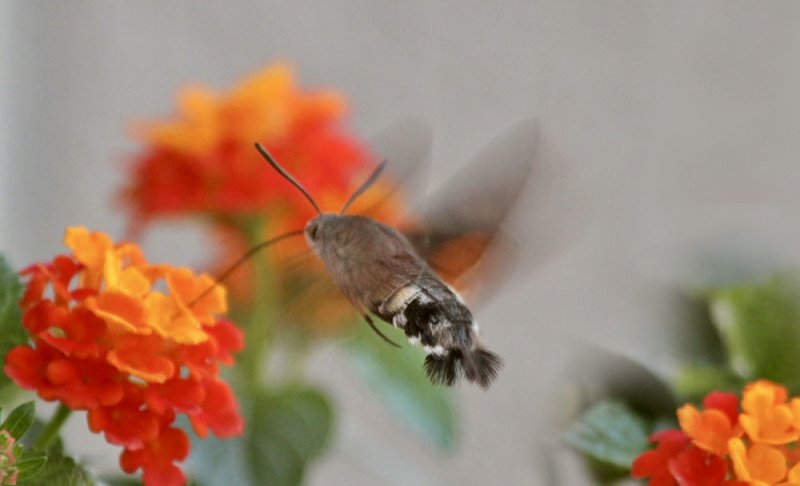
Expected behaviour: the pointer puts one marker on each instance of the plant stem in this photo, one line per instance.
(298, 358)
(52, 427)
(259, 315)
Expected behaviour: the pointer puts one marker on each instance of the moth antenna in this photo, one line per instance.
(252, 251)
(286, 176)
(366, 185)
(378, 331)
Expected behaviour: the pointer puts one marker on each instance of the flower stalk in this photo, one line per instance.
(53, 427)
(260, 317)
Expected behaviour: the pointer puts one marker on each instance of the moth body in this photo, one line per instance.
(385, 273)
(379, 271)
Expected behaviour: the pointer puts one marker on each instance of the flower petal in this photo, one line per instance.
(140, 356)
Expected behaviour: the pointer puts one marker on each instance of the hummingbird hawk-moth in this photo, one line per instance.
(398, 277)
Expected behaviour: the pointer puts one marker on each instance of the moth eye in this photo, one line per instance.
(312, 232)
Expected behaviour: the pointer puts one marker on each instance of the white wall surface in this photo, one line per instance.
(671, 137)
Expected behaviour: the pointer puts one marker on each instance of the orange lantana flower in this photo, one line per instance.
(709, 429)
(202, 160)
(757, 445)
(124, 340)
(768, 417)
(759, 464)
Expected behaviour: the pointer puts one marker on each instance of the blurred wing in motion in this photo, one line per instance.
(465, 216)
(406, 146)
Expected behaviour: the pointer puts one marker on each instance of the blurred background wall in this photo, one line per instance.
(669, 158)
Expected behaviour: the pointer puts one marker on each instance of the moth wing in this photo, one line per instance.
(463, 218)
(319, 305)
(406, 146)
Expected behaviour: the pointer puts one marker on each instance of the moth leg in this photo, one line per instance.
(378, 332)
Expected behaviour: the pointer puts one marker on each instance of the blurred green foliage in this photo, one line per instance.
(760, 327)
(611, 434)
(289, 428)
(397, 376)
(35, 466)
(10, 322)
(285, 429)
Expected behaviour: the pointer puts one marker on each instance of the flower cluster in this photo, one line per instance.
(126, 341)
(723, 444)
(203, 160)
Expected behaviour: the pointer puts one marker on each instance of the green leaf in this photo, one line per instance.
(398, 377)
(695, 331)
(760, 327)
(30, 464)
(288, 428)
(693, 382)
(609, 433)
(11, 331)
(121, 481)
(59, 469)
(20, 420)
(10, 293)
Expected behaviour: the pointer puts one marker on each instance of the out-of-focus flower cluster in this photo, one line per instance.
(754, 442)
(203, 160)
(124, 340)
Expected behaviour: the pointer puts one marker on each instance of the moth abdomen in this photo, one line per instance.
(434, 317)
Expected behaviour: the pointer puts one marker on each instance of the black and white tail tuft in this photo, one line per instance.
(479, 366)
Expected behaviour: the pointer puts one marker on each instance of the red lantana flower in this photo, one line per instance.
(654, 464)
(696, 467)
(105, 339)
(202, 161)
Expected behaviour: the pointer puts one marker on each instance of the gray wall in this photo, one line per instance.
(670, 147)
